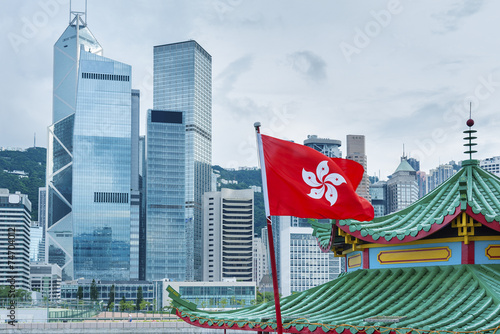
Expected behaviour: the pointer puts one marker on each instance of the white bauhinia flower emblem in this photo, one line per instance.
(323, 180)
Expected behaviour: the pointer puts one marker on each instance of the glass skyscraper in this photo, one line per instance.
(89, 167)
(179, 157)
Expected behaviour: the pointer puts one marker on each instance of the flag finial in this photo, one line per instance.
(257, 126)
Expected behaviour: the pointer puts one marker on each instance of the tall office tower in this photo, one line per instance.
(356, 152)
(228, 235)
(135, 192)
(402, 187)
(89, 160)
(142, 219)
(42, 215)
(378, 195)
(492, 165)
(179, 172)
(15, 219)
(36, 242)
(260, 266)
(328, 147)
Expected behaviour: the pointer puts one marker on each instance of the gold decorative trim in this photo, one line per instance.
(492, 252)
(354, 261)
(415, 255)
(430, 241)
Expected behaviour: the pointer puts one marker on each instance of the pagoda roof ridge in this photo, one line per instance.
(471, 189)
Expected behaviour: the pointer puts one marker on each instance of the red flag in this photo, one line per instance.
(302, 182)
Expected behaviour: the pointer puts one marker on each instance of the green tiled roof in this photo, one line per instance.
(471, 187)
(323, 232)
(457, 298)
(404, 166)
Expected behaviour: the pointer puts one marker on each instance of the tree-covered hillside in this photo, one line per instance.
(247, 178)
(32, 162)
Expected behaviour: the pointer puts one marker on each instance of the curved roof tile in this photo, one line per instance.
(447, 298)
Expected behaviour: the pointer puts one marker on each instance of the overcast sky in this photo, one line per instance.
(398, 72)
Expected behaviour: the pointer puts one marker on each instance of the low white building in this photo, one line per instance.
(207, 295)
(46, 279)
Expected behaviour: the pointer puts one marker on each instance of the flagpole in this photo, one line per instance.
(269, 230)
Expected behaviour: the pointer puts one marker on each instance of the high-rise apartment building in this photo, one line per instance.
(228, 220)
(89, 167)
(179, 157)
(356, 152)
(402, 187)
(438, 175)
(15, 219)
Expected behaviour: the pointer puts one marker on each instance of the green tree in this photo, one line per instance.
(260, 298)
(129, 306)
(264, 297)
(123, 304)
(223, 302)
(139, 299)
(111, 299)
(143, 305)
(79, 292)
(94, 294)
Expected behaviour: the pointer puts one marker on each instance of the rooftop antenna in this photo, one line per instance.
(34, 140)
(470, 123)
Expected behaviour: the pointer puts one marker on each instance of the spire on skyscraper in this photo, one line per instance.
(76, 17)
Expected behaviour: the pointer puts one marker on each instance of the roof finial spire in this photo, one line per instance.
(469, 144)
(75, 15)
